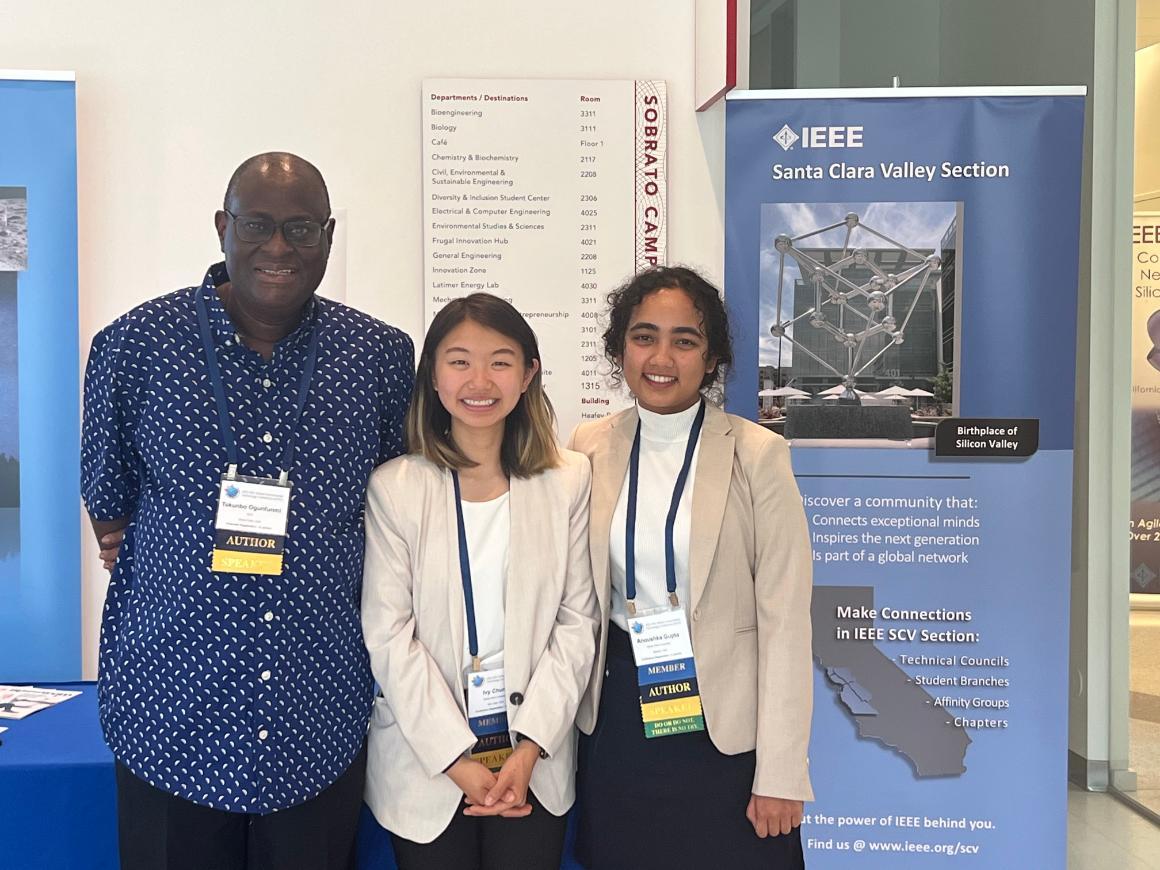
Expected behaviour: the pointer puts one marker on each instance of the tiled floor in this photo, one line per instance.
(1102, 832)
(1144, 706)
(1105, 834)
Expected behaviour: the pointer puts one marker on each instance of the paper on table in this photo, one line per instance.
(16, 702)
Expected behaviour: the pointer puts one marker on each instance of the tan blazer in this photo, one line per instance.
(413, 624)
(751, 577)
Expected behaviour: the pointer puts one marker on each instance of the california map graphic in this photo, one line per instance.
(878, 695)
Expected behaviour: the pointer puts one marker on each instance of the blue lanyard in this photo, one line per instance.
(670, 520)
(465, 575)
(223, 408)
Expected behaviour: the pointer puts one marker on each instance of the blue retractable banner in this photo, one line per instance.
(902, 271)
(40, 589)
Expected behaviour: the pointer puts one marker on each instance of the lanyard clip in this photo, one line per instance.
(630, 606)
(232, 471)
(673, 599)
(475, 665)
(283, 477)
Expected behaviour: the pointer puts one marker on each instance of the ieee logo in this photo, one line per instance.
(819, 137)
(785, 137)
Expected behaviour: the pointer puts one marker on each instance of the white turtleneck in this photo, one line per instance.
(663, 438)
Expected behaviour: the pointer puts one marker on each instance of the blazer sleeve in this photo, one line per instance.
(427, 713)
(783, 580)
(560, 676)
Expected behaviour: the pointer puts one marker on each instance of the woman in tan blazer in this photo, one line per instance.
(695, 513)
(478, 607)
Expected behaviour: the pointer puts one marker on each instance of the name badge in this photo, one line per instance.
(250, 530)
(487, 717)
(670, 702)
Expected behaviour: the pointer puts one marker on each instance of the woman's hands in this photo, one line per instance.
(504, 794)
(772, 816)
(472, 778)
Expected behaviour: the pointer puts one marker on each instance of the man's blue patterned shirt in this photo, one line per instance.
(239, 692)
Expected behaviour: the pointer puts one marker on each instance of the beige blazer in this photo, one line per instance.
(413, 624)
(751, 578)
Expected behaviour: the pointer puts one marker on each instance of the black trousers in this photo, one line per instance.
(666, 803)
(159, 831)
(535, 842)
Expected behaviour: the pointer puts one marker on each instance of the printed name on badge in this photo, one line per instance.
(250, 530)
(670, 702)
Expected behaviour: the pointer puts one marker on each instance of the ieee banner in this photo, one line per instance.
(40, 605)
(1145, 548)
(888, 278)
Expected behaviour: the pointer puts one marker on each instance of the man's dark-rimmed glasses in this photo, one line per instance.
(255, 230)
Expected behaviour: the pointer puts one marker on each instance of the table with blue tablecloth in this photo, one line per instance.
(58, 799)
(57, 795)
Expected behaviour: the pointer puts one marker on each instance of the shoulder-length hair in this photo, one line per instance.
(529, 437)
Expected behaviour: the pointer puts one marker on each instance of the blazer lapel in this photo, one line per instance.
(524, 570)
(609, 466)
(455, 600)
(710, 495)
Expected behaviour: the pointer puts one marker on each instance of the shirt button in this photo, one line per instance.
(263, 734)
(268, 616)
(265, 676)
(516, 698)
(267, 437)
(267, 383)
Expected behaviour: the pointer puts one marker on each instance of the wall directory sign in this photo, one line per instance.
(886, 271)
(1145, 547)
(547, 193)
(40, 620)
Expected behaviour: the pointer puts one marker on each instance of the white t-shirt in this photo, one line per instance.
(663, 438)
(488, 528)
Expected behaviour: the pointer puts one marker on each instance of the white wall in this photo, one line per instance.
(171, 97)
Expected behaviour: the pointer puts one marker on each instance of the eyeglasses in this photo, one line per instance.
(301, 232)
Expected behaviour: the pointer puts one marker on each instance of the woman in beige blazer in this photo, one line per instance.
(695, 512)
(478, 606)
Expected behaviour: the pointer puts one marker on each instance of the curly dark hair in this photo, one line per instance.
(705, 298)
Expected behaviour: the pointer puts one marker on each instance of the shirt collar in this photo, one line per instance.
(667, 427)
(224, 329)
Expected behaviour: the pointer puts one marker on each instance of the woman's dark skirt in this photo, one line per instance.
(670, 802)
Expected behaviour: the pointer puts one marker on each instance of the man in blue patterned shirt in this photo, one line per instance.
(236, 704)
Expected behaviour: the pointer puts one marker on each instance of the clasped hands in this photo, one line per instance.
(502, 794)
